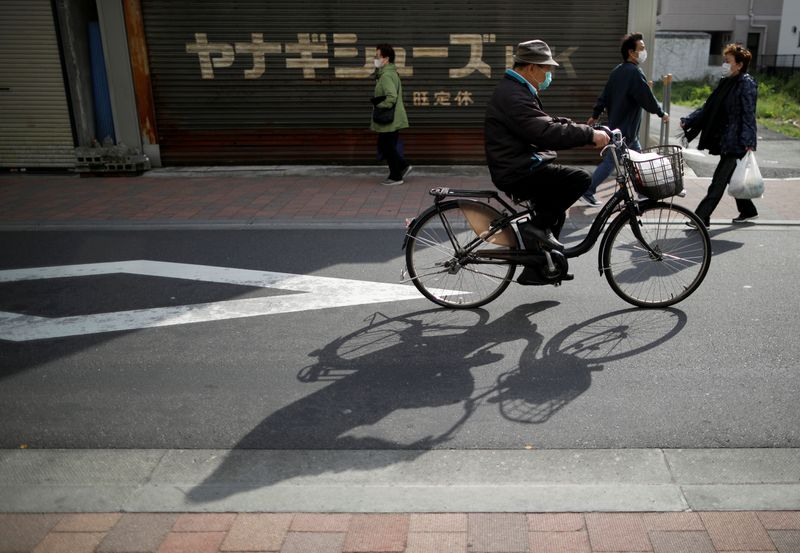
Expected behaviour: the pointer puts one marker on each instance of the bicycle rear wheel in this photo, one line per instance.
(443, 255)
(683, 255)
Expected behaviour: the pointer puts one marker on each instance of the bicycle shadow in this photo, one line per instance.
(535, 391)
(424, 360)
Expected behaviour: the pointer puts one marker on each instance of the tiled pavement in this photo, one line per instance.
(29, 201)
(147, 201)
(410, 533)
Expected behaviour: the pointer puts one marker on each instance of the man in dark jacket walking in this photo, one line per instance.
(521, 138)
(625, 95)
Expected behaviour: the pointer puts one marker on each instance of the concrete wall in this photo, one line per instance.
(789, 42)
(685, 55)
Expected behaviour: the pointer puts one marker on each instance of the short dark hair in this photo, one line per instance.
(629, 43)
(740, 54)
(386, 51)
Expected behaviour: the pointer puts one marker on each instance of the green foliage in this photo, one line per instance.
(778, 106)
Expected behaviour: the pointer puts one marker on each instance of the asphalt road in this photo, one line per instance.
(568, 367)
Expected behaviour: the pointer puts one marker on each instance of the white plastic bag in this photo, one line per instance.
(654, 169)
(746, 182)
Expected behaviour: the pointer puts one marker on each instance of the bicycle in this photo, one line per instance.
(462, 252)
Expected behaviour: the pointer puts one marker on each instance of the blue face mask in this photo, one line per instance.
(548, 78)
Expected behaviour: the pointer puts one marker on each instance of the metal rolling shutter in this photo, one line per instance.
(248, 81)
(36, 128)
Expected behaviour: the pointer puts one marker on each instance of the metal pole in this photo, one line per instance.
(645, 132)
(666, 80)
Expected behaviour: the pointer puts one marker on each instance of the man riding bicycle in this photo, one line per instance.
(520, 142)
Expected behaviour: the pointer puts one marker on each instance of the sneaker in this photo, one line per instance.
(589, 199)
(407, 170)
(692, 226)
(744, 218)
(392, 182)
(682, 193)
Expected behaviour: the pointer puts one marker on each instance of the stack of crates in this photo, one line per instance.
(110, 159)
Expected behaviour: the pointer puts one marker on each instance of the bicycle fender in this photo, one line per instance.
(615, 222)
(410, 225)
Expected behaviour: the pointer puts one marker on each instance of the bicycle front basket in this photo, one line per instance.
(657, 172)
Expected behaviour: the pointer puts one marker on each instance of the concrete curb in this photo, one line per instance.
(620, 480)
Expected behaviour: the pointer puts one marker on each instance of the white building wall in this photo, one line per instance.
(684, 55)
(789, 41)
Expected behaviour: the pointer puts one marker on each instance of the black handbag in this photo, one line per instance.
(382, 116)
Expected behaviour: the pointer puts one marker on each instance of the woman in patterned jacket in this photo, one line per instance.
(727, 127)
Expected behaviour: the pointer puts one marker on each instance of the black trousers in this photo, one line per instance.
(553, 189)
(720, 180)
(387, 146)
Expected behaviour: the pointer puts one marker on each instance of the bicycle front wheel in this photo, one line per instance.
(443, 255)
(672, 271)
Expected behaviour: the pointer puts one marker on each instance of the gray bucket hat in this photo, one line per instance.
(534, 51)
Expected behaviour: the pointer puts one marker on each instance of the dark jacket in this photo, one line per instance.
(737, 130)
(625, 95)
(520, 137)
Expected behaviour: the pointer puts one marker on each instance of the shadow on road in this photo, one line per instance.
(431, 360)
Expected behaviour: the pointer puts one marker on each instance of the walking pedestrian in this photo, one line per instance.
(389, 96)
(625, 95)
(727, 127)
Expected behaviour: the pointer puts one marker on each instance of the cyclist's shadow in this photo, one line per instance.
(426, 360)
(419, 360)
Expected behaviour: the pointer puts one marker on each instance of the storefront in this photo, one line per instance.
(217, 82)
(250, 82)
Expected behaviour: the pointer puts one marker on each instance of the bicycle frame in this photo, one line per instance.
(621, 196)
(466, 244)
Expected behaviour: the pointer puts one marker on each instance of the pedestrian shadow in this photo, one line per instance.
(719, 246)
(430, 360)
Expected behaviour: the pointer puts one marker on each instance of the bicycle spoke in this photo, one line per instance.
(676, 266)
(432, 260)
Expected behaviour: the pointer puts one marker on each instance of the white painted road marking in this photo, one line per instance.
(318, 293)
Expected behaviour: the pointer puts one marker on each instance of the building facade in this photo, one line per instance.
(104, 84)
(691, 35)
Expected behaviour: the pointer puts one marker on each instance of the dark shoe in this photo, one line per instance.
(407, 170)
(589, 199)
(545, 236)
(392, 182)
(744, 219)
(530, 277)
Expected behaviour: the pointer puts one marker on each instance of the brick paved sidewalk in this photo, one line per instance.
(685, 532)
(67, 199)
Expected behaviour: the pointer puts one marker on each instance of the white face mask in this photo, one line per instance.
(642, 56)
(726, 69)
(378, 63)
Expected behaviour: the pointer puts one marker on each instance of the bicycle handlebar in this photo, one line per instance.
(617, 141)
(615, 134)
